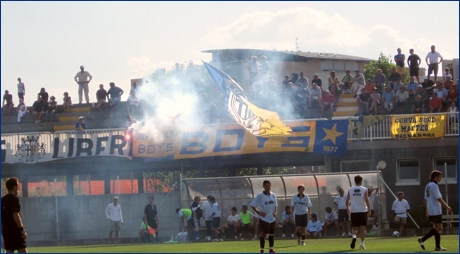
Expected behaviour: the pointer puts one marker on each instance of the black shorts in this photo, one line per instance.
(413, 71)
(216, 222)
(372, 212)
(153, 224)
(191, 223)
(433, 67)
(12, 239)
(358, 219)
(436, 219)
(343, 215)
(230, 226)
(301, 220)
(266, 227)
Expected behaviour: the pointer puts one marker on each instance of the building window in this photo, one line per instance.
(351, 166)
(451, 162)
(408, 172)
(327, 65)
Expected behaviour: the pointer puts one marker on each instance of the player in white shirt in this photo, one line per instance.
(216, 213)
(301, 207)
(265, 204)
(207, 209)
(358, 207)
(371, 193)
(400, 207)
(314, 227)
(434, 204)
(331, 219)
(288, 221)
(233, 221)
(344, 218)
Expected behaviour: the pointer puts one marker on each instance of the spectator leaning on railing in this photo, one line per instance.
(80, 125)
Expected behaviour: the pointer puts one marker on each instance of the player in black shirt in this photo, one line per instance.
(151, 216)
(13, 232)
(197, 213)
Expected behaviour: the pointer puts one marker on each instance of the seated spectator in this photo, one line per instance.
(246, 220)
(394, 76)
(8, 106)
(428, 85)
(441, 91)
(397, 85)
(418, 106)
(288, 221)
(38, 109)
(300, 96)
(67, 102)
(315, 94)
(289, 91)
(317, 80)
(101, 95)
(401, 98)
(327, 101)
(347, 82)
(115, 94)
(80, 125)
(286, 81)
(133, 102)
(363, 100)
(412, 88)
(446, 74)
(388, 97)
(435, 104)
(369, 86)
(449, 83)
(453, 116)
(379, 81)
(302, 81)
(374, 101)
(356, 89)
(233, 222)
(452, 96)
(333, 82)
(420, 91)
(331, 219)
(314, 227)
(44, 96)
(22, 110)
(52, 105)
(144, 233)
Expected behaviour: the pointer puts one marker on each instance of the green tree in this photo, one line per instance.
(385, 63)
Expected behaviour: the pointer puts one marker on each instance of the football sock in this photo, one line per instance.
(431, 233)
(197, 234)
(262, 242)
(271, 241)
(303, 236)
(437, 238)
(298, 234)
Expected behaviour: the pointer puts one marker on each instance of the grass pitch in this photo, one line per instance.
(282, 245)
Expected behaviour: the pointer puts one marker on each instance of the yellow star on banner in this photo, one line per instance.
(332, 134)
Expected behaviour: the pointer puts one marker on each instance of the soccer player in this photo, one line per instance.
(207, 209)
(434, 203)
(331, 219)
(233, 222)
(301, 207)
(246, 217)
(371, 193)
(197, 214)
(186, 215)
(13, 232)
(343, 216)
(265, 204)
(359, 208)
(216, 220)
(400, 207)
(314, 227)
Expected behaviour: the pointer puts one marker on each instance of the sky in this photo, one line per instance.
(45, 43)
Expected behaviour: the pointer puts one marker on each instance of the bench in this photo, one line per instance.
(449, 219)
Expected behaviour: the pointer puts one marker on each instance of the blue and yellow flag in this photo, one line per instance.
(259, 122)
(331, 137)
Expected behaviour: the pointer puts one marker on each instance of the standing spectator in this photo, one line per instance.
(286, 81)
(315, 94)
(83, 78)
(178, 73)
(215, 216)
(333, 82)
(446, 74)
(151, 216)
(327, 101)
(8, 106)
(359, 210)
(13, 232)
(401, 98)
(233, 222)
(38, 109)
(52, 105)
(253, 67)
(192, 73)
(413, 61)
(101, 95)
(246, 218)
(272, 86)
(434, 204)
(331, 219)
(197, 213)
(21, 89)
(80, 125)
(394, 76)
(388, 97)
(379, 80)
(302, 81)
(265, 204)
(453, 116)
(428, 85)
(400, 207)
(369, 86)
(317, 81)
(135, 88)
(288, 221)
(314, 227)
(301, 207)
(133, 102)
(22, 110)
(420, 91)
(207, 209)
(115, 94)
(114, 215)
(452, 96)
(347, 82)
(186, 221)
(400, 60)
(374, 101)
(433, 65)
(289, 91)
(435, 104)
(264, 69)
(418, 105)
(343, 216)
(363, 100)
(371, 193)
(67, 102)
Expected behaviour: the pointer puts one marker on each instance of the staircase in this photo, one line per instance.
(346, 105)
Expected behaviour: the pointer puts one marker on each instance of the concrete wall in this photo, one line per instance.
(82, 217)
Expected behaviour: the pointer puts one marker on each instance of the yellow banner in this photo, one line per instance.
(418, 126)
